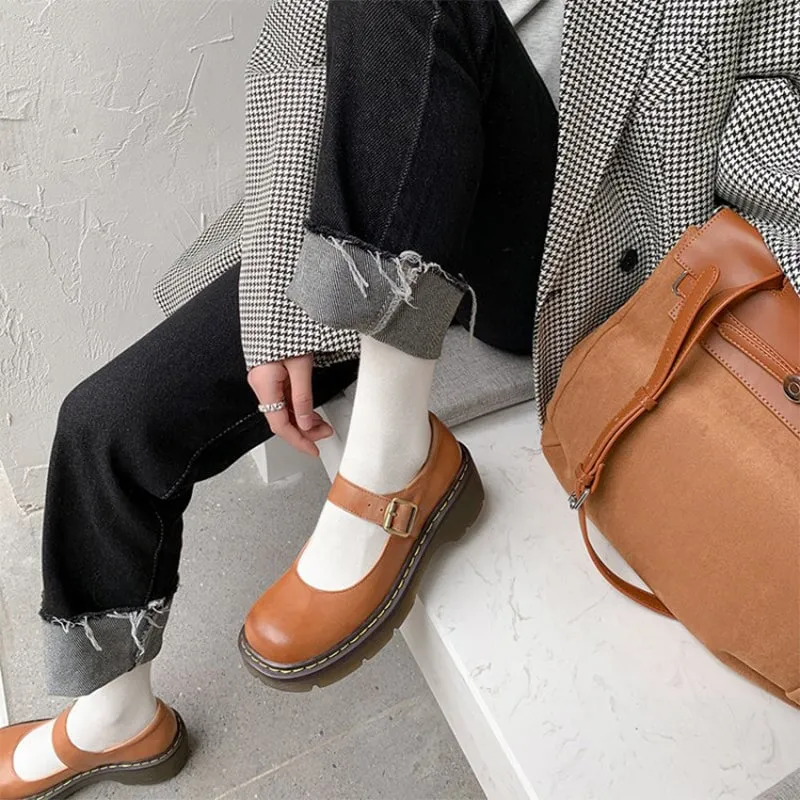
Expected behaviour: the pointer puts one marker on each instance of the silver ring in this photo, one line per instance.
(268, 408)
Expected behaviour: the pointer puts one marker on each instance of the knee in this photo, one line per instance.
(85, 414)
(75, 409)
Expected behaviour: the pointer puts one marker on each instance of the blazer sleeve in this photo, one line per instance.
(284, 108)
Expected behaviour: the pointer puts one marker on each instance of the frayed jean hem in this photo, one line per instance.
(86, 652)
(401, 300)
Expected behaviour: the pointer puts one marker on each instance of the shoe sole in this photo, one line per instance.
(453, 516)
(136, 773)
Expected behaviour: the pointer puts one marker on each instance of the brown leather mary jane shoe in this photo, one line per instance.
(156, 754)
(296, 636)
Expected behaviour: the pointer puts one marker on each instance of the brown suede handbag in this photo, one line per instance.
(675, 426)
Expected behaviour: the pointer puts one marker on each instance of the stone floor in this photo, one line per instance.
(376, 734)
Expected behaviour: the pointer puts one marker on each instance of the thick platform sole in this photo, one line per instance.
(138, 773)
(449, 521)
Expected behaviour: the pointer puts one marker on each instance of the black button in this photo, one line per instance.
(629, 261)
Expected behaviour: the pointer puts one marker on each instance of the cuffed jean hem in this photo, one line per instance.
(400, 300)
(84, 653)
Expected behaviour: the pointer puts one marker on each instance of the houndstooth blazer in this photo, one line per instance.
(668, 109)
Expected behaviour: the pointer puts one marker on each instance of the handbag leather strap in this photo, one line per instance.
(641, 596)
(700, 309)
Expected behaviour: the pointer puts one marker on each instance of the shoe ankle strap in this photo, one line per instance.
(395, 514)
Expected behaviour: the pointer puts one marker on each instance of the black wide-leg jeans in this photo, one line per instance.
(439, 139)
(435, 176)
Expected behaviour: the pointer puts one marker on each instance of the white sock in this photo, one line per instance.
(388, 442)
(105, 718)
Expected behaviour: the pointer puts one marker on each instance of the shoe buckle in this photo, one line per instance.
(391, 512)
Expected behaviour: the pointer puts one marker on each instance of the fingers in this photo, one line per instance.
(275, 381)
(282, 425)
(268, 381)
(299, 370)
(320, 429)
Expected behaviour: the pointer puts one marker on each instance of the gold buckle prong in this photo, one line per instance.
(391, 511)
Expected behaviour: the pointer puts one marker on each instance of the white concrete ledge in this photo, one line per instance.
(556, 686)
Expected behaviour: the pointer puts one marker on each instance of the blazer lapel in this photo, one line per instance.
(605, 49)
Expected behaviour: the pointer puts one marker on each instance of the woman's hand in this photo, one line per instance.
(290, 381)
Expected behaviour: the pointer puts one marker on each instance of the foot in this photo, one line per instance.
(344, 548)
(297, 635)
(388, 440)
(156, 752)
(89, 727)
(105, 718)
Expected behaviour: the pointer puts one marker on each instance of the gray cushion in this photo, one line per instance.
(473, 379)
(787, 789)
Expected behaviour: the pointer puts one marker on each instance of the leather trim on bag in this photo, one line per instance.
(752, 375)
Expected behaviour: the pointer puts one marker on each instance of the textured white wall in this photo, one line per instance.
(121, 137)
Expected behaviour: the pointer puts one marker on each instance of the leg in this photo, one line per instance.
(460, 136)
(342, 549)
(400, 76)
(131, 441)
(411, 88)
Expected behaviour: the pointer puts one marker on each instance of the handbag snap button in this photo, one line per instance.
(791, 387)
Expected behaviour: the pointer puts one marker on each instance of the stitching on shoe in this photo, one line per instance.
(423, 537)
(112, 767)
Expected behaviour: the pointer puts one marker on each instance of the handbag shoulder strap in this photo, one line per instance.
(641, 596)
(703, 305)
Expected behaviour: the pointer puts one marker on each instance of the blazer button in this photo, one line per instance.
(628, 262)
